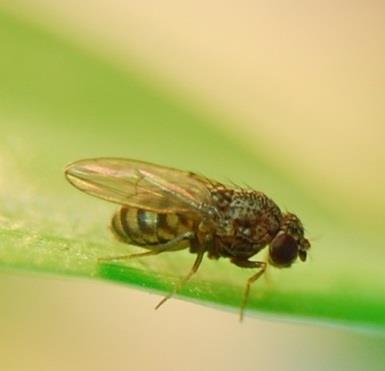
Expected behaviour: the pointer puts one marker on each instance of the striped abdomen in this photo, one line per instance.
(147, 228)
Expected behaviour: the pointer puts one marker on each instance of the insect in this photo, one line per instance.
(164, 209)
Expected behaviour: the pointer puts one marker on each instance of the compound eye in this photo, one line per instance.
(283, 250)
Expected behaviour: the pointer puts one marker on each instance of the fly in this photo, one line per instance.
(163, 209)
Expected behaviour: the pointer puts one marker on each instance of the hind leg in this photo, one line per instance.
(171, 245)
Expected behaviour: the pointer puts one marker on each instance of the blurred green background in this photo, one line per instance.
(289, 101)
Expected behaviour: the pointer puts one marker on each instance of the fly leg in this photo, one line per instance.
(197, 263)
(251, 280)
(171, 245)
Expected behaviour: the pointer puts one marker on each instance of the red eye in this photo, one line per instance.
(283, 250)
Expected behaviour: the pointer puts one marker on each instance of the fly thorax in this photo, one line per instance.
(246, 215)
(245, 206)
(257, 218)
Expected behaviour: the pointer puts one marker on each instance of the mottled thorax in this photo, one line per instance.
(248, 220)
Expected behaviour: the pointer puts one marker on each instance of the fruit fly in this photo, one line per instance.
(164, 209)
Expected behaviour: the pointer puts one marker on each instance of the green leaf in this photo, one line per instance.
(60, 103)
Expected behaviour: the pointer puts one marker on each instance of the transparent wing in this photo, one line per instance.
(141, 184)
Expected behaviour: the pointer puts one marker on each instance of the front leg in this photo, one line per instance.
(244, 263)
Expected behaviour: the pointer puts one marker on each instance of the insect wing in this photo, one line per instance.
(140, 184)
